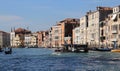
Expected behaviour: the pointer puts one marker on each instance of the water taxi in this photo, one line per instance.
(103, 49)
(115, 50)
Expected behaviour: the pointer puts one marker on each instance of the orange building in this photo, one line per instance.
(42, 38)
(67, 26)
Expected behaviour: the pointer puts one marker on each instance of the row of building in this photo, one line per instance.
(99, 28)
(96, 29)
(18, 38)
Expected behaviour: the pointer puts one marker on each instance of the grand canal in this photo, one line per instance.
(42, 59)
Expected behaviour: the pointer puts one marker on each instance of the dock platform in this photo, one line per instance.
(73, 48)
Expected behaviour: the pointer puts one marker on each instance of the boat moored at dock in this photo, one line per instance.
(73, 48)
(103, 49)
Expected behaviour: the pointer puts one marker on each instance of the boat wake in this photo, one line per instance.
(56, 53)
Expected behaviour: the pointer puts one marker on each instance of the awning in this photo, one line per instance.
(114, 16)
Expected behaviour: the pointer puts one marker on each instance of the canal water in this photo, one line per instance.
(43, 59)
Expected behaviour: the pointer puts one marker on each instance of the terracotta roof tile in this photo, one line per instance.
(21, 30)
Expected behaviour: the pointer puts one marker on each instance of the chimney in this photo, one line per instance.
(98, 7)
(89, 12)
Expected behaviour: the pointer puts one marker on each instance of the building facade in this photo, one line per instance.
(17, 37)
(27, 40)
(76, 35)
(113, 28)
(4, 39)
(31, 40)
(93, 30)
(67, 26)
(56, 37)
(83, 29)
(42, 39)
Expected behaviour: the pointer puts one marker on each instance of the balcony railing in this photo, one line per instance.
(114, 31)
(92, 39)
(114, 39)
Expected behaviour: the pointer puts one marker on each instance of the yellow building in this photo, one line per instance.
(33, 41)
(17, 37)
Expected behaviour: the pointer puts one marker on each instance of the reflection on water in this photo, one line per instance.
(41, 59)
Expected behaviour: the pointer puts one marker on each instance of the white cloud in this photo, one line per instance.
(8, 18)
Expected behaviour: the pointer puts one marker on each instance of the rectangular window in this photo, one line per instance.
(119, 26)
(77, 31)
(119, 36)
(56, 37)
(93, 35)
(93, 16)
(114, 27)
(114, 36)
(119, 15)
(92, 24)
(102, 32)
(113, 10)
(56, 31)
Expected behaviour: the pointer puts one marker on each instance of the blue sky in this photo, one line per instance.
(42, 14)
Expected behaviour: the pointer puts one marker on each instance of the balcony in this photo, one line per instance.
(114, 39)
(114, 31)
(92, 39)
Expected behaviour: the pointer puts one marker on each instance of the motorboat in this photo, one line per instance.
(58, 50)
(8, 50)
(103, 49)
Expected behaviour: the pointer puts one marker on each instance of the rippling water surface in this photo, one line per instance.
(41, 59)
